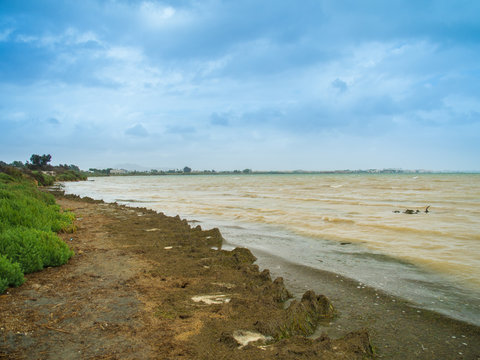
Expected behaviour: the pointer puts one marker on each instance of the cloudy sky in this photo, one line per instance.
(261, 84)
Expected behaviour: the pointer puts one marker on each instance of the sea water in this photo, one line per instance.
(350, 224)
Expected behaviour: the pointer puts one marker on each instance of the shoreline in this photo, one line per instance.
(394, 334)
(398, 328)
(399, 288)
(279, 215)
(145, 285)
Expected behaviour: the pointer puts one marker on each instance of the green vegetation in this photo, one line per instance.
(11, 274)
(29, 222)
(42, 178)
(70, 175)
(40, 162)
(42, 172)
(99, 172)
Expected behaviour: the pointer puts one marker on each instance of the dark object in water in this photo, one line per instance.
(409, 211)
(345, 243)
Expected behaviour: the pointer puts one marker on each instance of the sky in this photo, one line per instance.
(259, 84)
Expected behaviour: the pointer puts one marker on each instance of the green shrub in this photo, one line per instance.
(43, 179)
(21, 246)
(38, 210)
(3, 285)
(29, 221)
(33, 249)
(70, 175)
(13, 173)
(5, 178)
(10, 274)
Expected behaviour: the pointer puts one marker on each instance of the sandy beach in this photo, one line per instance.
(144, 285)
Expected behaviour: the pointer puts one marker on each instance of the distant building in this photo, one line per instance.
(118, 171)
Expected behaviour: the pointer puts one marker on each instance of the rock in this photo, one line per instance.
(265, 275)
(277, 290)
(300, 318)
(228, 340)
(303, 317)
(213, 237)
(355, 345)
(250, 270)
(243, 256)
(318, 303)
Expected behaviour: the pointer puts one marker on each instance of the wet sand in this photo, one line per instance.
(143, 285)
(397, 328)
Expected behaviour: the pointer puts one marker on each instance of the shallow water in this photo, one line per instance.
(341, 223)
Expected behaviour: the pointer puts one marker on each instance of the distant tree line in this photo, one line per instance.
(185, 171)
(40, 169)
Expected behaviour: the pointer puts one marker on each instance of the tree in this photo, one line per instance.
(40, 161)
(186, 169)
(17, 164)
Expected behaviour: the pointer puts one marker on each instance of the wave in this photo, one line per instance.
(134, 201)
(405, 229)
(337, 220)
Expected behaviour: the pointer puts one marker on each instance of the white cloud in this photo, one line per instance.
(26, 38)
(70, 36)
(5, 34)
(128, 54)
(73, 36)
(155, 14)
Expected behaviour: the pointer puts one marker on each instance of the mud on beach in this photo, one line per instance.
(143, 285)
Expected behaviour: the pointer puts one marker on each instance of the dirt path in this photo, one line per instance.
(133, 291)
(88, 308)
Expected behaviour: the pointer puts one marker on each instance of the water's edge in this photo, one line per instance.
(400, 278)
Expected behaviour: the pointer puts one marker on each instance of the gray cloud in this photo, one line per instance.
(137, 130)
(219, 119)
(340, 85)
(53, 121)
(182, 130)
